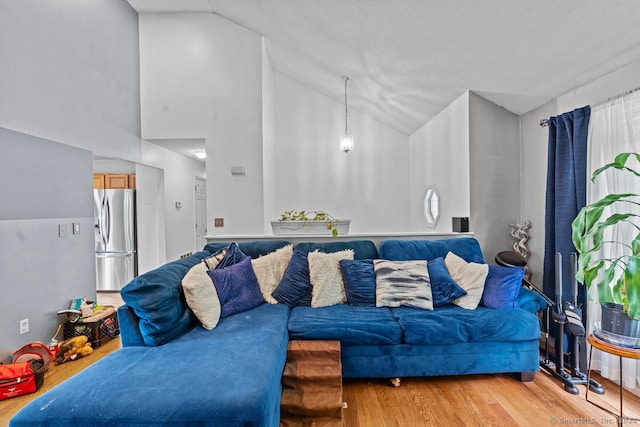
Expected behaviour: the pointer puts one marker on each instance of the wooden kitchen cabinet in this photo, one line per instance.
(116, 181)
(98, 180)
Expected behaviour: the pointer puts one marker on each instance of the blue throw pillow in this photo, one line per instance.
(359, 281)
(502, 287)
(443, 288)
(237, 288)
(233, 256)
(295, 287)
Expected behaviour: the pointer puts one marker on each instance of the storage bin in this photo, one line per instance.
(99, 328)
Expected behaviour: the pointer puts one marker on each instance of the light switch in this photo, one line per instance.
(62, 230)
(76, 228)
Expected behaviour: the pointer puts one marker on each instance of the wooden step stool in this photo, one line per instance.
(312, 384)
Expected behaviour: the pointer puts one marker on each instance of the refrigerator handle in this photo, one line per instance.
(101, 228)
(106, 211)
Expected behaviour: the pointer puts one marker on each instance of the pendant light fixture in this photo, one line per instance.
(346, 140)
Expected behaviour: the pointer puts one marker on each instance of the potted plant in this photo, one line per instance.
(309, 222)
(617, 279)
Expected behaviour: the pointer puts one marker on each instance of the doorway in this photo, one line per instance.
(200, 205)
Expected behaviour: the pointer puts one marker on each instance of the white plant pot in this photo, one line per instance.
(310, 227)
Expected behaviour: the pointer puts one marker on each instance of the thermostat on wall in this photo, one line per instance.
(237, 170)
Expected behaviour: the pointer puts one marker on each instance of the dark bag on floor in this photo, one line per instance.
(21, 378)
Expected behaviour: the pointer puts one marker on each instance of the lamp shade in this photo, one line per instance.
(346, 143)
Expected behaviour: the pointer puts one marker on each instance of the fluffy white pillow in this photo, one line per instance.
(269, 270)
(201, 294)
(470, 276)
(327, 285)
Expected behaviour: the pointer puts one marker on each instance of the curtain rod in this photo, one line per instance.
(629, 92)
(545, 122)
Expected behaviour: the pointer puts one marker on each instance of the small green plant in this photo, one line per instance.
(588, 238)
(305, 216)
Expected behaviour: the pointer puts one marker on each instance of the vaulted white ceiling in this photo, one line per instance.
(408, 59)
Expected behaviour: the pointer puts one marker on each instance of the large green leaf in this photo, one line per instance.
(618, 163)
(632, 286)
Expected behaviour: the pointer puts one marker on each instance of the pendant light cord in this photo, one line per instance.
(346, 79)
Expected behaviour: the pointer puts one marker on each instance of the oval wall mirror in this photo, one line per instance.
(432, 206)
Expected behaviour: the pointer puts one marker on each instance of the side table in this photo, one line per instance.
(616, 350)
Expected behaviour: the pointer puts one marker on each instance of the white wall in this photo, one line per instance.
(178, 174)
(151, 207)
(202, 78)
(268, 139)
(494, 154)
(41, 272)
(439, 155)
(534, 149)
(69, 74)
(368, 185)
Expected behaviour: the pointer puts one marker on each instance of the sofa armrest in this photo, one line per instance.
(129, 330)
(531, 301)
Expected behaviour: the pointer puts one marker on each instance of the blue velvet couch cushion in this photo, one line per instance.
(466, 248)
(229, 376)
(452, 325)
(253, 248)
(531, 301)
(362, 249)
(157, 299)
(351, 325)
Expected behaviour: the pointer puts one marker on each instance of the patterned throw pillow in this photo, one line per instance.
(470, 276)
(402, 283)
(327, 286)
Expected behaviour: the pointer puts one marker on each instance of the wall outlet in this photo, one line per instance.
(218, 222)
(62, 230)
(24, 326)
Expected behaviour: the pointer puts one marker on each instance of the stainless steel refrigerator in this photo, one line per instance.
(115, 236)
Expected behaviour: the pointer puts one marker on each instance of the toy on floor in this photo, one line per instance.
(73, 348)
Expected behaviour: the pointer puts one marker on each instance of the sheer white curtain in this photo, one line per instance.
(614, 128)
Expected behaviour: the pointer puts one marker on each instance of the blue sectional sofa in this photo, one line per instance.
(172, 371)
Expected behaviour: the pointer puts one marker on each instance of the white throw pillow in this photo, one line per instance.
(470, 276)
(327, 285)
(201, 294)
(269, 270)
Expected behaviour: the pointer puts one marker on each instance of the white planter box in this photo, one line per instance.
(310, 227)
